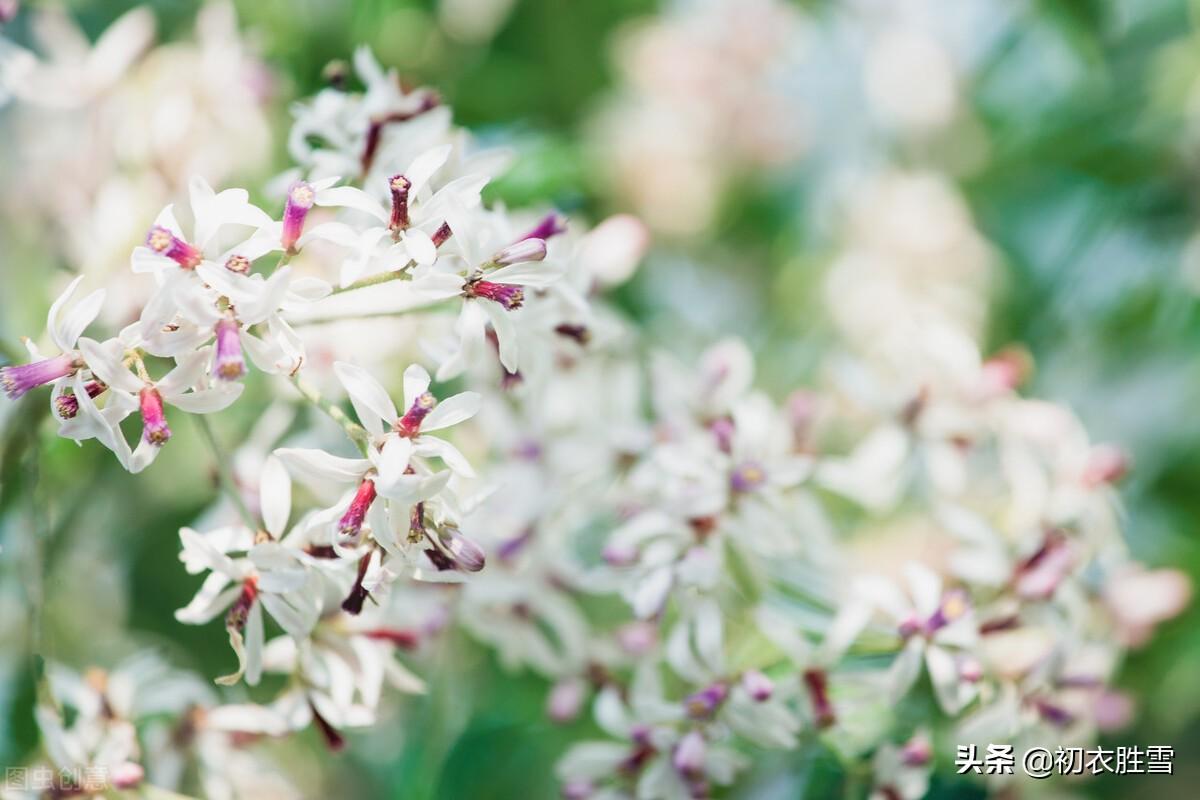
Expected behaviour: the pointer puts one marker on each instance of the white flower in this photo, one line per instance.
(269, 576)
(939, 629)
(186, 387)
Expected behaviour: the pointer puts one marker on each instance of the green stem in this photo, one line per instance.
(401, 274)
(357, 433)
(433, 306)
(224, 474)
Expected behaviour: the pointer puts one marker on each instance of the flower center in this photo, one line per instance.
(507, 295)
(409, 425)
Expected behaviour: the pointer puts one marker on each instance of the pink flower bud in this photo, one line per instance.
(565, 700)
(350, 525)
(551, 225)
(399, 186)
(228, 363)
(127, 775)
(410, 424)
(154, 421)
(20, 379)
(67, 405)
(757, 685)
(165, 243)
(521, 252)
(690, 754)
(299, 203)
(467, 555)
(510, 297)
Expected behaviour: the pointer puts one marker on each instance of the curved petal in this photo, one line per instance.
(275, 496)
(425, 165)
(392, 462)
(319, 466)
(82, 315)
(371, 402)
(432, 446)
(105, 362)
(452, 411)
(350, 197)
(206, 401)
(416, 383)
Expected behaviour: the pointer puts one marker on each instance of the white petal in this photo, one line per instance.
(371, 402)
(200, 551)
(206, 401)
(392, 462)
(452, 411)
(65, 333)
(188, 372)
(350, 197)
(905, 669)
(528, 273)
(215, 595)
(254, 644)
(419, 246)
(506, 334)
(338, 233)
(319, 467)
(416, 383)
(275, 495)
(448, 453)
(425, 165)
(105, 362)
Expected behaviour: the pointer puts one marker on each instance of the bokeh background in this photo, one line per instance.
(807, 169)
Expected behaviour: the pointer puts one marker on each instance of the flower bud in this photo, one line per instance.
(441, 234)
(299, 202)
(1106, 464)
(126, 775)
(235, 619)
(619, 555)
(757, 685)
(818, 694)
(970, 669)
(577, 790)
(917, 751)
(20, 379)
(551, 225)
(350, 525)
(507, 295)
(520, 252)
(353, 604)
(467, 555)
(410, 424)
(722, 431)
(228, 363)
(154, 420)
(690, 754)
(67, 405)
(637, 638)
(565, 700)
(704, 703)
(165, 243)
(399, 186)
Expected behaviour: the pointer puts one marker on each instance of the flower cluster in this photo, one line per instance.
(784, 571)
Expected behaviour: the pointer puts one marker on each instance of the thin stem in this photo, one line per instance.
(433, 306)
(401, 274)
(357, 433)
(224, 474)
